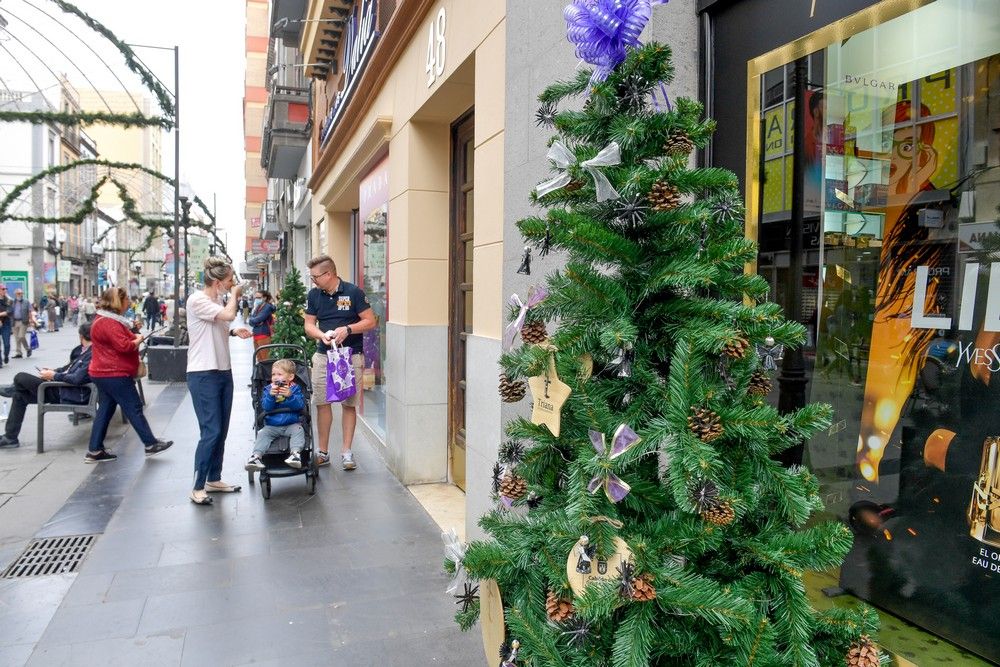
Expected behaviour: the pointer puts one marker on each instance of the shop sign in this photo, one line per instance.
(265, 246)
(971, 235)
(64, 270)
(362, 33)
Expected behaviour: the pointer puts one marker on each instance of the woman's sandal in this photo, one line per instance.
(222, 487)
(201, 499)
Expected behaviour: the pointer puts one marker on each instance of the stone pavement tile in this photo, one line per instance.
(213, 549)
(115, 555)
(88, 589)
(176, 612)
(15, 655)
(87, 623)
(268, 636)
(28, 605)
(156, 581)
(160, 651)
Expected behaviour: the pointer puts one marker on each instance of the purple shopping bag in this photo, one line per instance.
(340, 381)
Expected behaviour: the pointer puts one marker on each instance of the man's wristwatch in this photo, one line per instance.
(349, 330)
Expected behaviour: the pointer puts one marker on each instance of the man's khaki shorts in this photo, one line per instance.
(319, 380)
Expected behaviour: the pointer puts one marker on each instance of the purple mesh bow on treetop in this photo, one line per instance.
(603, 29)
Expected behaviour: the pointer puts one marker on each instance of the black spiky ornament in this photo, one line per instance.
(545, 116)
(705, 495)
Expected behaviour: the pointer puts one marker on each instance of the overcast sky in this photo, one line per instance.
(211, 37)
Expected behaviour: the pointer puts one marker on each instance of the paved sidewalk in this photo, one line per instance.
(33, 487)
(350, 576)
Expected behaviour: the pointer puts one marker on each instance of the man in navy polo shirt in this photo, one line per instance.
(338, 308)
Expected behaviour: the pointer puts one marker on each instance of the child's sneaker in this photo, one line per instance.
(347, 461)
(294, 461)
(254, 464)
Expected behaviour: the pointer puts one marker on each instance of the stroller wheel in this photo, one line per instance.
(311, 482)
(265, 486)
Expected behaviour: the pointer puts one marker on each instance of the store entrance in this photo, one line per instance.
(460, 291)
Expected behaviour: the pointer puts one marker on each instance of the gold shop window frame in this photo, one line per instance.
(804, 46)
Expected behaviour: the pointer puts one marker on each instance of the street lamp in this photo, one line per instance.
(56, 239)
(185, 223)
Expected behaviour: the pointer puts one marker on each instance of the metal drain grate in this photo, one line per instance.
(51, 555)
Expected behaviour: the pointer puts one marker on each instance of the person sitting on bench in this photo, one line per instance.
(25, 388)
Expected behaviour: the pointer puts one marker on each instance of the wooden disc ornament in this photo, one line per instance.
(585, 564)
(491, 621)
(548, 394)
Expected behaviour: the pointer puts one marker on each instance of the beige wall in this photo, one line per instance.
(418, 143)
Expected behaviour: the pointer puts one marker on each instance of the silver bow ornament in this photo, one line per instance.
(563, 157)
(454, 550)
(535, 297)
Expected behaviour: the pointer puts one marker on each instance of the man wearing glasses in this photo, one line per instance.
(338, 308)
(5, 325)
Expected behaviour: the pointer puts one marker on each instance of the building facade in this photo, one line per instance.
(140, 270)
(866, 134)
(425, 151)
(258, 28)
(26, 258)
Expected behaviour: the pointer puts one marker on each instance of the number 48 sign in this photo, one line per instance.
(435, 48)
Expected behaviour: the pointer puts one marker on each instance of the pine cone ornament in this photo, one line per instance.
(760, 384)
(863, 653)
(720, 514)
(642, 589)
(678, 143)
(705, 424)
(663, 196)
(736, 348)
(511, 391)
(512, 486)
(534, 332)
(558, 609)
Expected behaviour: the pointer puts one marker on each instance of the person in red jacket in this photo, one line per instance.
(113, 367)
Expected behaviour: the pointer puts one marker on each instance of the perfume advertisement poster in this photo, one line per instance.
(908, 353)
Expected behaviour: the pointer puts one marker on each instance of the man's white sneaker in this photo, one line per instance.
(347, 461)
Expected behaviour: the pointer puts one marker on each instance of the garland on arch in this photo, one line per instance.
(125, 120)
(88, 206)
(135, 119)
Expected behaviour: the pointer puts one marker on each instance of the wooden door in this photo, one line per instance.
(460, 295)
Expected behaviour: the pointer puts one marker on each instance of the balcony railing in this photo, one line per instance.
(287, 131)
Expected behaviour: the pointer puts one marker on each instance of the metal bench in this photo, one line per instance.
(76, 410)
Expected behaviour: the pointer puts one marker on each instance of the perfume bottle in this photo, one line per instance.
(984, 508)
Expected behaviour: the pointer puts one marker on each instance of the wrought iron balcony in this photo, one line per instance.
(287, 131)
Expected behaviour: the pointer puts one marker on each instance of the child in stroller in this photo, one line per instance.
(282, 404)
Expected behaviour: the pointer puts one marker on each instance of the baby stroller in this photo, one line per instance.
(277, 452)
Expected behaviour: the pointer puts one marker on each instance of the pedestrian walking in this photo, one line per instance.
(151, 308)
(6, 325)
(336, 312)
(262, 321)
(89, 310)
(50, 314)
(22, 316)
(210, 374)
(24, 391)
(113, 368)
(73, 304)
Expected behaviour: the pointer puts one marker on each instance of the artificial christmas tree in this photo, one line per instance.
(289, 323)
(654, 294)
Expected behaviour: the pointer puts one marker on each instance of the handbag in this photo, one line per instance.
(341, 382)
(32, 339)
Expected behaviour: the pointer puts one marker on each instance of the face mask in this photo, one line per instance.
(257, 302)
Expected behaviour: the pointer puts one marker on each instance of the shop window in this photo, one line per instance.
(371, 243)
(901, 290)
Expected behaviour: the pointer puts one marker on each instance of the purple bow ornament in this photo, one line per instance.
(603, 30)
(563, 157)
(535, 297)
(614, 487)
